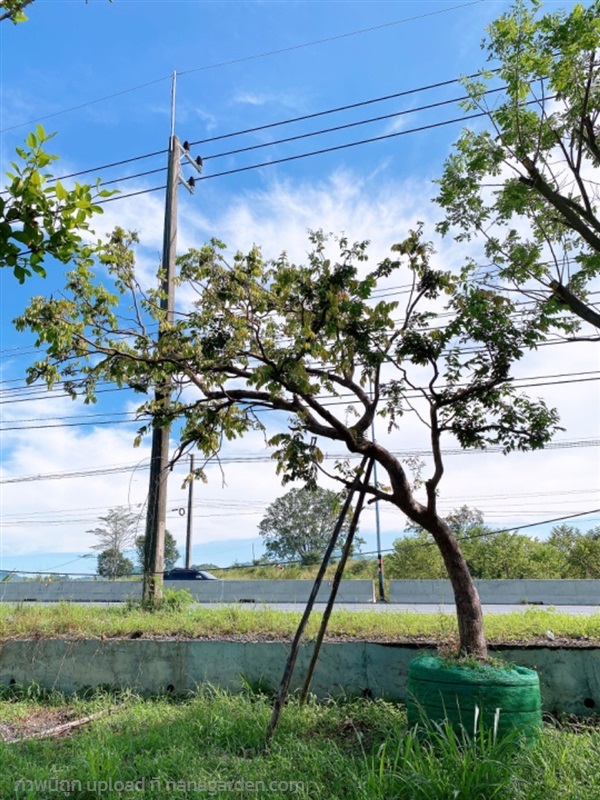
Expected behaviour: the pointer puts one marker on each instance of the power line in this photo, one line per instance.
(291, 120)
(485, 534)
(113, 164)
(337, 109)
(310, 154)
(342, 127)
(341, 399)
(93, 512)
(450, 451)
(244, 59)
(131, 194)
(426, 544)
(332, 149)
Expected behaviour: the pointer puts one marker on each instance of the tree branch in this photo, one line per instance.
(577, 306)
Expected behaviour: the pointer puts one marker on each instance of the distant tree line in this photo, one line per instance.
(566, 553)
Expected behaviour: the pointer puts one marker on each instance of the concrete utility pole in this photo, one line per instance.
(154, 546)
(190, 516)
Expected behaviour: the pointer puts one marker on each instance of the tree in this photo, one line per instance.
(115, 535)
(113, 564)
(490, 555)
(527, 186)
(172, 554)
(579, 553)
(415, 557)
(299, 525)
(510, 555)
(13, 10)
(308, 341)
(39, 217)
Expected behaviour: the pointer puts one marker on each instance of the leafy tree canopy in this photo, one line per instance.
(299, 525)
(528, 184)
(314, 342)
(113, 564)
(13, 10)
(39, 217)
(578, 553)
(566, 553)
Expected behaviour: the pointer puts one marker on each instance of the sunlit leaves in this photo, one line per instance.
(39, 217)
(527, 185)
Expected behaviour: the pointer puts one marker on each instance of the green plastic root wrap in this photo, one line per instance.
(472, 697)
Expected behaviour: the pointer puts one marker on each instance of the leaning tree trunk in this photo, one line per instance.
(466, 597)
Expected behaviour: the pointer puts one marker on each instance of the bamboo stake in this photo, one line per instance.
(336, 584)
(291, 660)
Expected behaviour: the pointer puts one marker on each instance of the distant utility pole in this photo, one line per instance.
(190, 515)
(154, 547)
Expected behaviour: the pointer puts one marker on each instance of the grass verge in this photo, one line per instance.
(210, 744)
(238, 622)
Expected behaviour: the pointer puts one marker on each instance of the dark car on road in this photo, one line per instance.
(183, 574)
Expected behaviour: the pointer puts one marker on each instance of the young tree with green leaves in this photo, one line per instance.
(527, 185)
(298, 525)
(314, 343)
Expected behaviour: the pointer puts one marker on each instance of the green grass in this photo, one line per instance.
(239, 622)
(358, 750)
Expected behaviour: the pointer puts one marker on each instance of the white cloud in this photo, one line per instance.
(250, 98)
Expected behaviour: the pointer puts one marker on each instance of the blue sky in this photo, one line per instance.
(70, 55)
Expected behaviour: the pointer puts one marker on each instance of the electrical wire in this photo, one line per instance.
(131, 194)
(91, 513)
(115, 470)
(338, 109)
(335, 148)
(292, 120)
(342, 399)
(310, 154)
(244, 59)
(342, 127)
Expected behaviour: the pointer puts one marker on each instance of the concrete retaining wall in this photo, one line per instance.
(570, 678)
(550, 593)
(259, 591)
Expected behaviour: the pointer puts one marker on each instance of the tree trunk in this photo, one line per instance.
(466, 597)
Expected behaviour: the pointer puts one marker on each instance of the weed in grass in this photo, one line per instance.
(443, 764)
(356, 750)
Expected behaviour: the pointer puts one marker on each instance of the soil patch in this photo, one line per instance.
(35, 721)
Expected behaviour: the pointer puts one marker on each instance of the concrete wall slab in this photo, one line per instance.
(570, 677)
